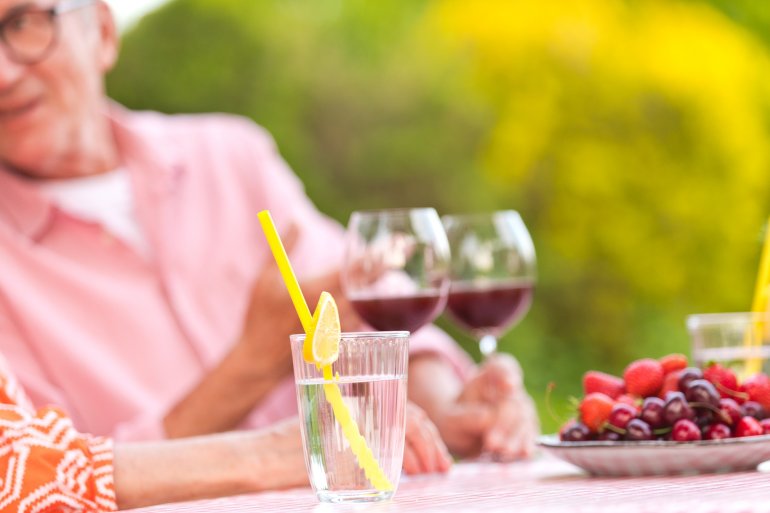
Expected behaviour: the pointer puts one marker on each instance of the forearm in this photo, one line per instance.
(209, 466)
(223, 398)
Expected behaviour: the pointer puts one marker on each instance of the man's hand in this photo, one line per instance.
(508, 423)
(271, 316)
(424, 451)
(491, 414)
(259, 360)
(254, 366)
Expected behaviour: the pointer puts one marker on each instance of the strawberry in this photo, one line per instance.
(748, 426)
(673, 362)
(594, 410)
(595, 381)
(643, 377)
(670, 383)
(723, 379)
(758, 389)
(630, 400)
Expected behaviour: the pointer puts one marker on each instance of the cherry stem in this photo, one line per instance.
(621, 431)
(548, 405)
(724, 416)
(614, 428)
(740, 395)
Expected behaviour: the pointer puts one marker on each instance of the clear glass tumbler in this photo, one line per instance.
(740, 341)
(370, 375)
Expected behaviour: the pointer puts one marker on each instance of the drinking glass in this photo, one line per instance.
(492, 272)
(370, 375)
(396, 270)
(739, 341)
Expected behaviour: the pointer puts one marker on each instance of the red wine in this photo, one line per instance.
(492, 308)
(407, 313)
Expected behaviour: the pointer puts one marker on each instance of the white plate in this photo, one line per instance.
(651, 458)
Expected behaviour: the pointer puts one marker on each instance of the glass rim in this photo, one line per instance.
(695, 321)
(348, 335)
(475, 215)
(391, 211)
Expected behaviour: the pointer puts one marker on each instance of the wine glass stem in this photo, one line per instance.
(488, 345)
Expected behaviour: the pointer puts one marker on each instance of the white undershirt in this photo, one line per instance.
(106, 198)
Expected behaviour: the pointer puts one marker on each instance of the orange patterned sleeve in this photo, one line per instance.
(46, 466)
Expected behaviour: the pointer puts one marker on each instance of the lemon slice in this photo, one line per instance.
(322, 345)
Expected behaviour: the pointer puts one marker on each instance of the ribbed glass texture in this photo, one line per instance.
(371, 375)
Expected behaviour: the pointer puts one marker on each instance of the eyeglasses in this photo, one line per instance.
(29, 34)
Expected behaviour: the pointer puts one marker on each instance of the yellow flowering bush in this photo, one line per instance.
(633, 136)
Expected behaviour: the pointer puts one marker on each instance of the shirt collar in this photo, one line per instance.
(144, 149)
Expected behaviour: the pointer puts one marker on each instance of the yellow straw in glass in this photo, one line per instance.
(364, 455)
(753, 338)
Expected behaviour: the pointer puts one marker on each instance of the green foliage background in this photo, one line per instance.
(631, 135)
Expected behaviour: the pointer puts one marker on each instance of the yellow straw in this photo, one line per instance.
(753, 338)
(364, 455)
(763, 276)
(282, 259)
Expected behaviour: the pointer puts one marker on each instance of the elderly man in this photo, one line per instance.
(137, 292)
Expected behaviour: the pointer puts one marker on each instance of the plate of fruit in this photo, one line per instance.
(664, 417)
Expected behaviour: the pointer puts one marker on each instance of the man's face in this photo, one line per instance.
(48, 108)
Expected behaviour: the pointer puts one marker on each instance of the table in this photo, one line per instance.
(544, 485)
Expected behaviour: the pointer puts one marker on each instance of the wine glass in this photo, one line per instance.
(492, 273)
(396, 270)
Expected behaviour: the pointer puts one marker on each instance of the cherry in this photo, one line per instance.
(609, 436)
(748, 426)
(577, 432)
(754, 409)
(731, 411)
(717, 431)
(689, 374)
(653, 412)
(702, 391)
(704, 417)
(685, 431)
(676, 408)
(638, 429)
(621, 414)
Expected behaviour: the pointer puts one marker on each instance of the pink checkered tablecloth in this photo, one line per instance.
(544, 485)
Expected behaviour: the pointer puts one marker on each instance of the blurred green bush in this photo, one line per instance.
(631, 135)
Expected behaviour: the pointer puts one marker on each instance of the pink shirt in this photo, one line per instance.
(116, 339)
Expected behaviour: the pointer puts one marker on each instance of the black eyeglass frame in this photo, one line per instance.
(54, 12)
